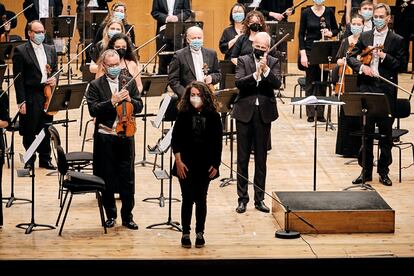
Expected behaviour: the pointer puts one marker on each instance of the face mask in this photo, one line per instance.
(255, 27)
(39, 38)
(113, 72)
(379, 23)
(121, 52)
(238, 16)
(111, 33)
(366, 14)
(355, 29)
(119, 15)
(196, 44)
(196, 101)
(258, 53)
(319, 2)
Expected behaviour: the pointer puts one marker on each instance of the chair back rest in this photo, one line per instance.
(54, 135)
(62, 163)
(402, 108)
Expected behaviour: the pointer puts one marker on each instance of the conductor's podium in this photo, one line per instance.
(334, 212)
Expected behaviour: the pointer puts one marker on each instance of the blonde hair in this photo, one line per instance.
(105, 36)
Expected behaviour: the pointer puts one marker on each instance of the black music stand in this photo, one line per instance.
(365, 105)
(65, 97)
(30, 226)
(3, 68)
(324, 52)
(278, 29)
(153, 86)
(175, 31)
(226, 99)
(315, 102)
(227, 68)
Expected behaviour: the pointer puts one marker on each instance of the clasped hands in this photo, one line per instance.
(262, 66)
(120, 96)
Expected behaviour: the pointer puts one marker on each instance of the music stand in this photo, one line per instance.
(363, 105)
(65, 28)
(153, 86)
(315, 102)
(278, 29)
(29, 153)
(226, 99)
(65, 97)
(175, 31)
(226, 67)
(98, 16)
(3, 68)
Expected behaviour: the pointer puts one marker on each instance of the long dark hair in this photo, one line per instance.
(247, 21)
(209, 100)
(129, 55)
(231, 12)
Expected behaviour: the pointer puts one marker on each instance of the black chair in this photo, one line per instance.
(301, 84)
(78, 183)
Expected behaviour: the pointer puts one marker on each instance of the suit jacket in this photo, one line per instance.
(181, 71)
(387, 68)
(99, 96)
(250, 90)
(159, 11)
(33, 13)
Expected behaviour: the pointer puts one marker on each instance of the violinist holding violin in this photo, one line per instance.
(31, 61)
(378, 52)
(114, 153)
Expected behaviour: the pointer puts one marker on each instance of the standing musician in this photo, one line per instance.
(366, 10)
(83, 13)
(188, 63)
(32, 61)
(316, 23)
(276, 10)
(165, 11)
(352, 5)
(385, 62)
(257, 75)
(113, 155)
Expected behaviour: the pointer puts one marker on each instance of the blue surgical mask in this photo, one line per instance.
(119, 15)
(113, 72)
(366, 14)
(196, 44)
(379, 23)
(238, 16)
(39, 38)
(355, 29)
(111, 33)
(319, 2)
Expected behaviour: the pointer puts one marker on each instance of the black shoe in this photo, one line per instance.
(358, 180)
(385, 180)
(262, 207)
(47, 165)
(130, 225)
(28, 166)
(241, 208)
(185, 241)
(310, 120)
(321, 119)
(109, 223)
(200, 242)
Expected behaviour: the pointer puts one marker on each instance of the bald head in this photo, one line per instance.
(195, 37)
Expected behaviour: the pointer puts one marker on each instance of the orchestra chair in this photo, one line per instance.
(77, 183)
(301, 84)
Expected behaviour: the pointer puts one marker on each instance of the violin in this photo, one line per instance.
(366, 56)
(48, 92)
(344, 70)
(205, 71)
(126, 126)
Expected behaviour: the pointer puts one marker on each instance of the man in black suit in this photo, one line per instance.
(193, 63)
(165, 11)
(32, 60)
(386, 63)
(113, 155)
(257, 75)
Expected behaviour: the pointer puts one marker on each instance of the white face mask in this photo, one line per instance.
(196, 101)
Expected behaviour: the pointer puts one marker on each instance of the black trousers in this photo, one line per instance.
(254, 133)
(114, 162)
(194, 190)
(313, 73)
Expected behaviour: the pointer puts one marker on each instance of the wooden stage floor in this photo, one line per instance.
(229, 235)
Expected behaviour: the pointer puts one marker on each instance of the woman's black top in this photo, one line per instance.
(228, 34)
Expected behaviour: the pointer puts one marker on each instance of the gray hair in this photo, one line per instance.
(108, 53)
(264, 35)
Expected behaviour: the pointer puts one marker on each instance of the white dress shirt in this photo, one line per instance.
(93, 4)
(379, 39)
(41, 59)
(43, 9)
(113, 85)
(170, 4)
(198, 64)
(258, 79)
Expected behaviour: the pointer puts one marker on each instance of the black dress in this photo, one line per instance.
(228, 34)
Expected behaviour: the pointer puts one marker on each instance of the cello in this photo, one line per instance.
(344, 69)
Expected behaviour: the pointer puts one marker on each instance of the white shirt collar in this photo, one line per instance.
(382, 33)
(35, 46)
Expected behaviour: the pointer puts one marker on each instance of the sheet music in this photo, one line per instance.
(39, 138)
(161, 112)
(312, 100)
(166, 141)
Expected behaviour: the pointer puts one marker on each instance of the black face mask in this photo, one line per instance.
(121, 52)
(258, 53)
(255, 27)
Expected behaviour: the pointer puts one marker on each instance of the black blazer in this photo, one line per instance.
(25, 63)
(99, 96)
(159, 11)
(249, 90)
(33, 13)
(181, 70)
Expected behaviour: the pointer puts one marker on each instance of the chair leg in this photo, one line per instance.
(294, 95)
(99, 197)
(84, 134)
(81, 118)
(66, 214)
(61, 209)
